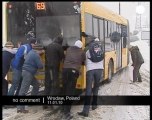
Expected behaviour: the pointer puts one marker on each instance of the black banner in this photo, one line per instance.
(76, 100)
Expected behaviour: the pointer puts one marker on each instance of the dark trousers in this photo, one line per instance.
(18, 89)
(16, 81)
(92, 76)
(5, 82)
(28, 79)
(52, 84)
(70, 77)
(136, 74)
(4, 87)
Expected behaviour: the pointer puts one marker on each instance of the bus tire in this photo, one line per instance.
(110, 70)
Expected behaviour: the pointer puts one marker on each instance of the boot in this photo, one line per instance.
(83, 114)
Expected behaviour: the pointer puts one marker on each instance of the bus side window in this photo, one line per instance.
(124, 36)
(124, 42)
(95, 27)
(106, 29)
(88, 23)
(109, 29)
(101, 29)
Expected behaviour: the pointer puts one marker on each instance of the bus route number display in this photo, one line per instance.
(40, 5)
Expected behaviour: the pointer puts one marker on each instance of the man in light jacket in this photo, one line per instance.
(93, 75)
(31, 65)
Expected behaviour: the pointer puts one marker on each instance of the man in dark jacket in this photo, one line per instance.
(8, 54)
(54, 55)
(17, 64)
(137, 60)
(74, 58)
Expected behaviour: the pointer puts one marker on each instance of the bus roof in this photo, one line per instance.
(100, 11)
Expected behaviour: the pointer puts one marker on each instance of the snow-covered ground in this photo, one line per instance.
(121, 83)
(101, 113)
(118, 86)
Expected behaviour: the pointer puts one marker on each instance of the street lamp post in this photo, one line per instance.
(140, 9)
(119, 8)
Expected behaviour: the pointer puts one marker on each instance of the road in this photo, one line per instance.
(121, 84)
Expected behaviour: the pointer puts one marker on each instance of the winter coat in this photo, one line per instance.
(92, 65)
(18, 60)
(32, 62)
(74, 58)
(136, 56)
(89, 64)
(54, 54)
(7, 57)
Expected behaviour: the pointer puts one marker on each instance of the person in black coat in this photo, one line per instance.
(54, 55)
(8, 54)
(137, 60)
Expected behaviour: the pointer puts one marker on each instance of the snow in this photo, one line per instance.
(101, 113)
(118, 86)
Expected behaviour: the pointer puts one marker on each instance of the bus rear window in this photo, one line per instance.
(48, 28)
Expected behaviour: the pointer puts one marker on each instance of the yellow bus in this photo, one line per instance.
(47, 20)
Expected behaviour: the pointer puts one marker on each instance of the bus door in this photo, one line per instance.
(125, 44)
(118, 49)
(118, 55)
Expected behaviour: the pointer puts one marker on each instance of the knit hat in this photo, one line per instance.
(78, 43)
(9, 44)
(97, 39)
(59, 40)
(32, 41)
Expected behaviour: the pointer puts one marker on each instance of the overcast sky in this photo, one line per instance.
(128, 10)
